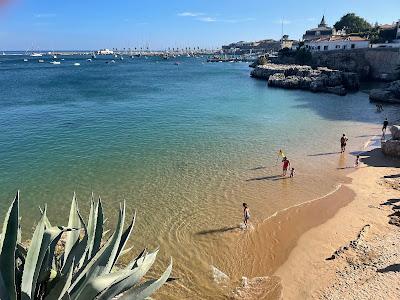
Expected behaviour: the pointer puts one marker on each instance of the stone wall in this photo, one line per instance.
(369, 63)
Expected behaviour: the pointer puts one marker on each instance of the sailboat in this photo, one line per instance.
(36, 54)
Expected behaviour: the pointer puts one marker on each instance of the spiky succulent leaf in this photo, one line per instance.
(8, 243)
(73, 222)
(60, 289)
(143, 265)
(147, 288)
(102, 262)
(124, 238)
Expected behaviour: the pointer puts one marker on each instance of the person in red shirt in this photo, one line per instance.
(286, 165)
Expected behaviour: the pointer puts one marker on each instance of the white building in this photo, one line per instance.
(105, 52)
(337, 42)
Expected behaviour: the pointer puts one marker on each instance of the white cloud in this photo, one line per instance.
(207, 19)
(190, 14)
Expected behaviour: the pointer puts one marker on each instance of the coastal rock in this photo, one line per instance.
(306, 78)
(390, 93)
(395, 131)
(391, 148)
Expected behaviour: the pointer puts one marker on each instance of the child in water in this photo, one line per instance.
(292, 173)
(357, 161)
(246, 214)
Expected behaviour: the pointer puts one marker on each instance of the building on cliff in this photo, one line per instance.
(389, 36)
(336, 42)
(322, 31)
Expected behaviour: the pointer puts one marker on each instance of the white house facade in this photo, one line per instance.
(337, 43)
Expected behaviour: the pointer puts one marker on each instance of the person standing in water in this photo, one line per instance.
(292, 173)
(343, 143)
(384, 127)
(286, 165)
(357, 161)
(246, 214)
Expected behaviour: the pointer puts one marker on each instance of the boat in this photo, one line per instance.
(77, 64)
(41, 61)
(89, 60)
(55, 62)
(55, 56)
(36, 54)
(25, 59)
(4, 53)
(121, 57)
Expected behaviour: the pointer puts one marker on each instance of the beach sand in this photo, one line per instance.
(355, 253)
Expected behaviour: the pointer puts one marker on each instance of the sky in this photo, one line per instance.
(159, 24)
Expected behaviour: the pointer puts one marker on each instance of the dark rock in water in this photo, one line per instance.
(390, 93)
(306, 78)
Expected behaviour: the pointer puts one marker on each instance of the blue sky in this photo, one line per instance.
(88, 24)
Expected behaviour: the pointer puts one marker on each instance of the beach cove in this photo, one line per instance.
(154, 133)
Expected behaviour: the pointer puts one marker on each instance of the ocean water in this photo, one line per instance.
(185, 145)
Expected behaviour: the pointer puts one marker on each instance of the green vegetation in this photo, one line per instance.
(303, 56)
(352, 24)
(81, 268)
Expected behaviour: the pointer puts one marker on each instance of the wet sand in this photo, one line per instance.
(366, 262)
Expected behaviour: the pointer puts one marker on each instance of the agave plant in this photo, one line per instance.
(82, 268)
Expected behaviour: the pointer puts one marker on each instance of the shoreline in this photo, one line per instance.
(307, 274)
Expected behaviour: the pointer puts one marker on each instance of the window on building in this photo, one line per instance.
(325, 47)
(344, 46)
(353, 46)
(319, 47)
(337, 46)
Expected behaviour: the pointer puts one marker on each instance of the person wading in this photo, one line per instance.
(343, 143)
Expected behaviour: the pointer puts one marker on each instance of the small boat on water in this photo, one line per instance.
(36, 54)
(89, 60)
(121, 57)
(25, 59)
(55, 63)
(77, 64)
(41, 61)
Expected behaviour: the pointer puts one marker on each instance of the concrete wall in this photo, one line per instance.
(370, 63)
(336, 45)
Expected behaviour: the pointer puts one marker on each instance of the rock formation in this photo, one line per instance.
(306, 78)
(392, 147)
(390, 93)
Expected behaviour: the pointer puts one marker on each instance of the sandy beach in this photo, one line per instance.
(355, 253)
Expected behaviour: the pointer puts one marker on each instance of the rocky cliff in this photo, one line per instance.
(302, 77)
(392, 146)
(390, 93)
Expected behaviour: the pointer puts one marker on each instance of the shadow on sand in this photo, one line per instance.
(322, 154)
(257, 168)
(219, 230)
(391, 268)
(271, 178)
(375, 158)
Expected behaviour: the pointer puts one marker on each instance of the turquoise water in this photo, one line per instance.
(184, 145)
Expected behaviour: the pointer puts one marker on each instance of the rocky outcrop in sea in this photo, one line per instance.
(304, 77)
(390, 93)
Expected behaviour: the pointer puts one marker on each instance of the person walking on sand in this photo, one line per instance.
(246, 214)
(384, 127)
(285, 166)
(343, 143)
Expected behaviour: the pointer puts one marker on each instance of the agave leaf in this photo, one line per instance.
(102, 262)
(33, 261)
(125, 237)
(8, 244)
(54, 234)
(60, 288)
(3, 290)
(126, 251)
(98, 284)
(46, 220)
(135, 275)
(147, 288)
(99, 228)
(91, 228)
(73, 222)
(134, 263)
